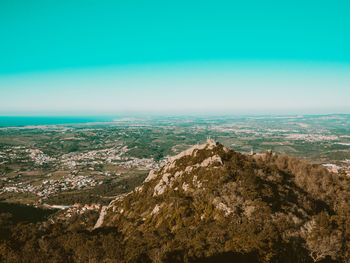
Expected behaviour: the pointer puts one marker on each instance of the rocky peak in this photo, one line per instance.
(185, 163)
(209, 199)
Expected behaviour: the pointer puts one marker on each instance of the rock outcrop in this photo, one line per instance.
(211, 202)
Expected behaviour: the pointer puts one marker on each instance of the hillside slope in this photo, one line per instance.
(207, 204)
(210, 203)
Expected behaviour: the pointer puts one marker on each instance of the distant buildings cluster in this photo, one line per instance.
(49, 187)
(91, 159)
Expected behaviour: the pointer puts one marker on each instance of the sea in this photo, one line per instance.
(18, 121)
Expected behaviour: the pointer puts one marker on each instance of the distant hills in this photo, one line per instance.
(208, 204)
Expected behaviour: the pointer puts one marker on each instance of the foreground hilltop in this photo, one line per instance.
(207, 204)
(213, 204)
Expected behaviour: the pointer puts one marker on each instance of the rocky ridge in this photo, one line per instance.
(210, 202)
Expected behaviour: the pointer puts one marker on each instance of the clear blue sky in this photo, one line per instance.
(98, 57)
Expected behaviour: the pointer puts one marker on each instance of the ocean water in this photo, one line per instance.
(17, 121)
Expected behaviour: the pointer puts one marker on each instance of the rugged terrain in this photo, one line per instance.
(90, 162)
(207, 204)
(210, 202)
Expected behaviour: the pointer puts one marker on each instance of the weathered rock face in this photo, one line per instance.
(170, 174)
(209, 201)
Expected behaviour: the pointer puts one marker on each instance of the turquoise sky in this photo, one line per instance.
(98, 57)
